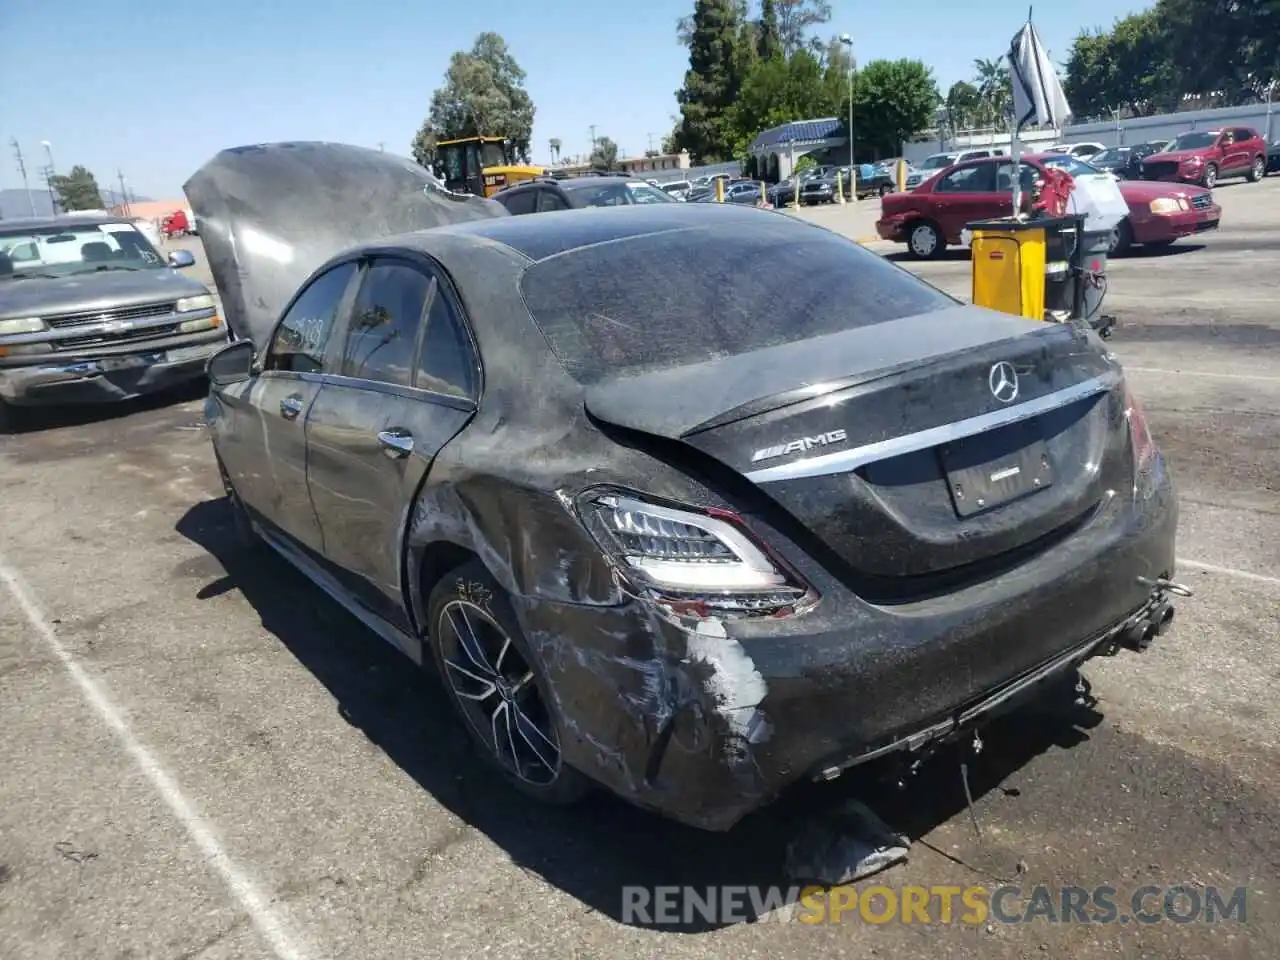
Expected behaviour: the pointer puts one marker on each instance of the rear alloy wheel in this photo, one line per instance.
(495, 683)
(1121, 239)
(924, 242)
(1210, 177)
(1258, 170)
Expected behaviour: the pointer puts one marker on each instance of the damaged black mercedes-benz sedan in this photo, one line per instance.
(661, 521)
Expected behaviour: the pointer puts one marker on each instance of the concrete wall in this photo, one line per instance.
(1169, 125)
(1129, 131)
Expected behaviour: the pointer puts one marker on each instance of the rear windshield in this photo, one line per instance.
(685, 296)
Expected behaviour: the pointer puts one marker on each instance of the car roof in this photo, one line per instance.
(62, 220)
(551, 234)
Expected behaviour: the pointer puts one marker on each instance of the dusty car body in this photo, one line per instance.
(692, 541)
(90, 311)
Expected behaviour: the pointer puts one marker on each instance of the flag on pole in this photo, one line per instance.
(1037, 92)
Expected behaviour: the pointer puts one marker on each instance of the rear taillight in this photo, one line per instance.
(697, 563)
(1144, 447)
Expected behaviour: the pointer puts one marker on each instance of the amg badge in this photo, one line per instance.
(801, 445)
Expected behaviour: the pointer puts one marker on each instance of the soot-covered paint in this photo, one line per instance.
(913, 612)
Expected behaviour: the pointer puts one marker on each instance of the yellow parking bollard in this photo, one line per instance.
(840, 186)
(795, 193)
(853, 185)
(901, 174)
(719, 189)
(764, 195)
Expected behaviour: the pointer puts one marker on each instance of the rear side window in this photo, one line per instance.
(521, 201)
(300, 340)
(1244, 133)
(446, 364)
(681, 297)
(384, 324)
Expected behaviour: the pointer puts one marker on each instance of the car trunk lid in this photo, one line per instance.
(945, 440)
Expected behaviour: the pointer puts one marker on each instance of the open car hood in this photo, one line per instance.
(270, 214)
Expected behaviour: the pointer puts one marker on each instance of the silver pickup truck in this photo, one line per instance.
(91, 311)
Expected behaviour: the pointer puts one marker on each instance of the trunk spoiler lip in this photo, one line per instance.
(845, 461)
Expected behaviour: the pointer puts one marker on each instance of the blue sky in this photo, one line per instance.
(156, 88)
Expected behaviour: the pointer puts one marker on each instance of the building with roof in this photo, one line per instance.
(777, 150)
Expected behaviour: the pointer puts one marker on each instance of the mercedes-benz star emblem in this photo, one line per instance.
(1003, 381)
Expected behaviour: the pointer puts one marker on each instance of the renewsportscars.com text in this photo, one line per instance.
(972, 905)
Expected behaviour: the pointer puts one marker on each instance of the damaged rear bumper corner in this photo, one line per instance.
(708, 721)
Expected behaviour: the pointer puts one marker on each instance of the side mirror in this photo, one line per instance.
(232, 364)
(180, 259)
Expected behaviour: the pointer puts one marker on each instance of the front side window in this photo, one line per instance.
(552, 201)
(979, 178)
(303, 334)
(520, 201)
(384, 324)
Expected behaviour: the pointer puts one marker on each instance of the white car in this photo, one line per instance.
(1081, 151)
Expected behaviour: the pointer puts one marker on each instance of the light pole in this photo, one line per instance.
(848, 42)
(48, 151)
(1270, 89)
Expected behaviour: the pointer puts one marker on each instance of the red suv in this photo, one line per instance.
(1206, 156)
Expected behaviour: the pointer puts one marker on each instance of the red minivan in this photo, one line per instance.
(1206, 156)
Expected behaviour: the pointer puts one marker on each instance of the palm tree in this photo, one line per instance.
(555, 150)
(994, 87)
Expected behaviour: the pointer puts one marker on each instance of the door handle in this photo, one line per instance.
(291, 406)
(396, 444)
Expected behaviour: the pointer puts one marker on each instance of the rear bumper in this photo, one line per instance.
(705, 729)
(1162, 229)
(47, 381)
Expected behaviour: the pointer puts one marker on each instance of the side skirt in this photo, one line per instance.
(411, 647)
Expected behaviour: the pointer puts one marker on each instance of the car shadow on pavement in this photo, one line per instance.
(596, 848)
(37, 419)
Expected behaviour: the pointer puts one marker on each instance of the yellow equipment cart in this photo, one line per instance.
(1033, 268)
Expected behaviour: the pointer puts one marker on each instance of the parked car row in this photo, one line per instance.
(934, 214)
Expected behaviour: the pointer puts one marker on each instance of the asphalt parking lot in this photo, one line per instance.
(203, 757)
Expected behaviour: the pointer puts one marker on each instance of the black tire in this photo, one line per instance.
(246, 538)
(8, 418)
(478, 646)
(886, 189)
(1121, 239)
(919, 244)
(1258, 170)
(1209, 179)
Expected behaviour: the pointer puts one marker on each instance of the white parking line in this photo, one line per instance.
(1228, 571)
(1202, 373)
(284, 943)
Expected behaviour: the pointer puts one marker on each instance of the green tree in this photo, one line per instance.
(483, 95)
(77, 190)
(780, 90)
(769, 42)
(797, 20)
(963, 103)
(605, 155)
(893, 100)
(713, 81)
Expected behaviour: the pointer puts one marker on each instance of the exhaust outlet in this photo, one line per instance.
(1138, 636)
(1162, 617)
